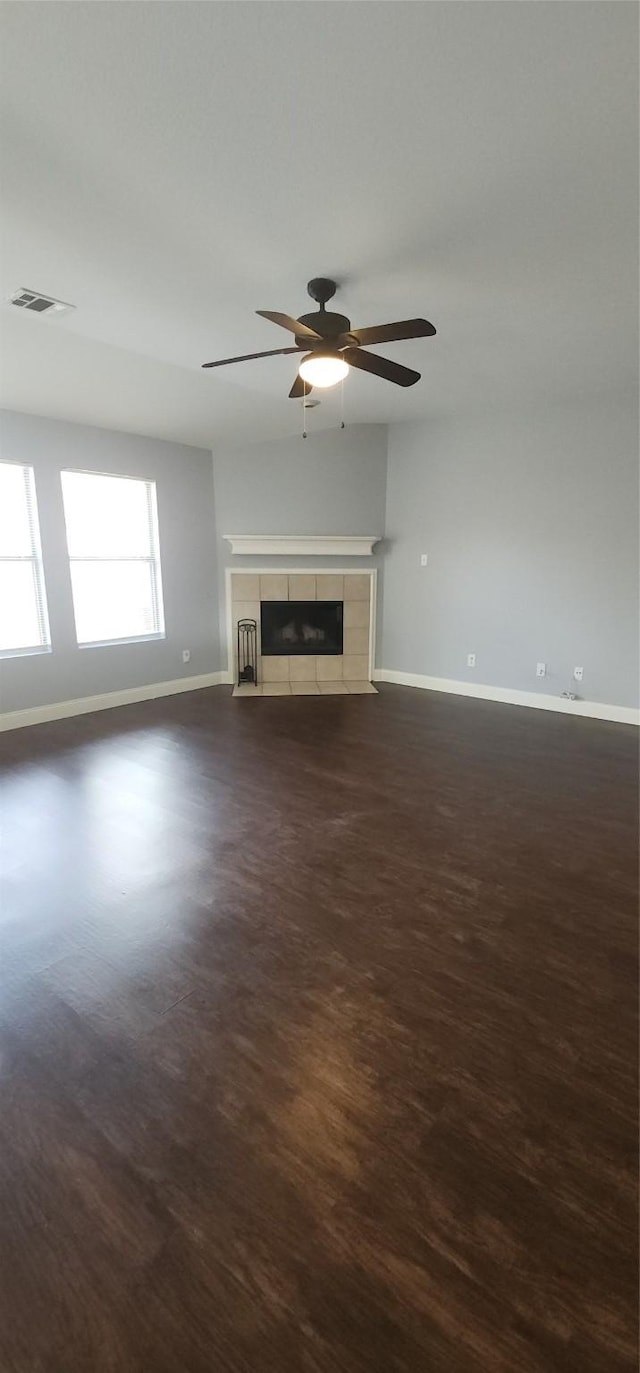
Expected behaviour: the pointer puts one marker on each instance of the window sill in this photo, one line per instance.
(136, 639)
(24, 652)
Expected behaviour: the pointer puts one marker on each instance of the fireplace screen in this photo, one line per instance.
(298, 627)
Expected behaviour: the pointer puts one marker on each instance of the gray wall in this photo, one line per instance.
(530, 522)
(187, 550)
(333, 482)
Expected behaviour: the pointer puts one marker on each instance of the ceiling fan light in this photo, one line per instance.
(323, 369)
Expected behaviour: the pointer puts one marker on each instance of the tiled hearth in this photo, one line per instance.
(348, 673)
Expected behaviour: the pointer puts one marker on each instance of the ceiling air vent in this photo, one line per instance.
(41, 305)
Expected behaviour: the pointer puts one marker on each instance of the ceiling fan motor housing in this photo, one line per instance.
(326, 324)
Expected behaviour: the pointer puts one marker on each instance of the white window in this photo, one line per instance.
(112, 539)
(24, 625)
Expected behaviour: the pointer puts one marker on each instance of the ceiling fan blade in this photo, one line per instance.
(381, 367)
(247, 357)
(286, 322)
(300, 388)
(391, 333)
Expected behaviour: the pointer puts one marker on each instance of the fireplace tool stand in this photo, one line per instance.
(247, 652)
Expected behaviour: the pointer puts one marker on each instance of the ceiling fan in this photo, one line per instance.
(331, 346)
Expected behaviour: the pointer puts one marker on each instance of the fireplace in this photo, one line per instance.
(291, 628)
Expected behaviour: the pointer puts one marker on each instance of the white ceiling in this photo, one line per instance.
(170, 168)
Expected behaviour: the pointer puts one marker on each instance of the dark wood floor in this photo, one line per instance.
(318, 1039)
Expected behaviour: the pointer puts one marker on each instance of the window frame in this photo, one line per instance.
(152, 559)
(37, 565)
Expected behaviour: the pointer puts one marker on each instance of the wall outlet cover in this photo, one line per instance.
(578, 673)
(471, 659)
(186, 655)
(424, 558)
(541, 669)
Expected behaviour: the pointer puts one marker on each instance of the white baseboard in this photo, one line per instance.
(84, 705)
(596, 710)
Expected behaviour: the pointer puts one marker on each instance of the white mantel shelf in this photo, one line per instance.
(309, 545)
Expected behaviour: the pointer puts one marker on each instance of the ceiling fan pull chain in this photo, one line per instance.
(304, 409)
(342, 404)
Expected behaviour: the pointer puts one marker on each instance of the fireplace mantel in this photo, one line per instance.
(307, 545)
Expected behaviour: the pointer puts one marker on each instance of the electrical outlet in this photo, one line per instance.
(541, 669)
(471, 659)
(424, 558)
(578, 673)
(186, 655)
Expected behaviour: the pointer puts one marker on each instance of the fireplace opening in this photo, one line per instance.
(300, 627)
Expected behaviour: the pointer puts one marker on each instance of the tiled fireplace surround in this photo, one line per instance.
(301, 675)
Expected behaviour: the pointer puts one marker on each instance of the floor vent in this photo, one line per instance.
(41, 305)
